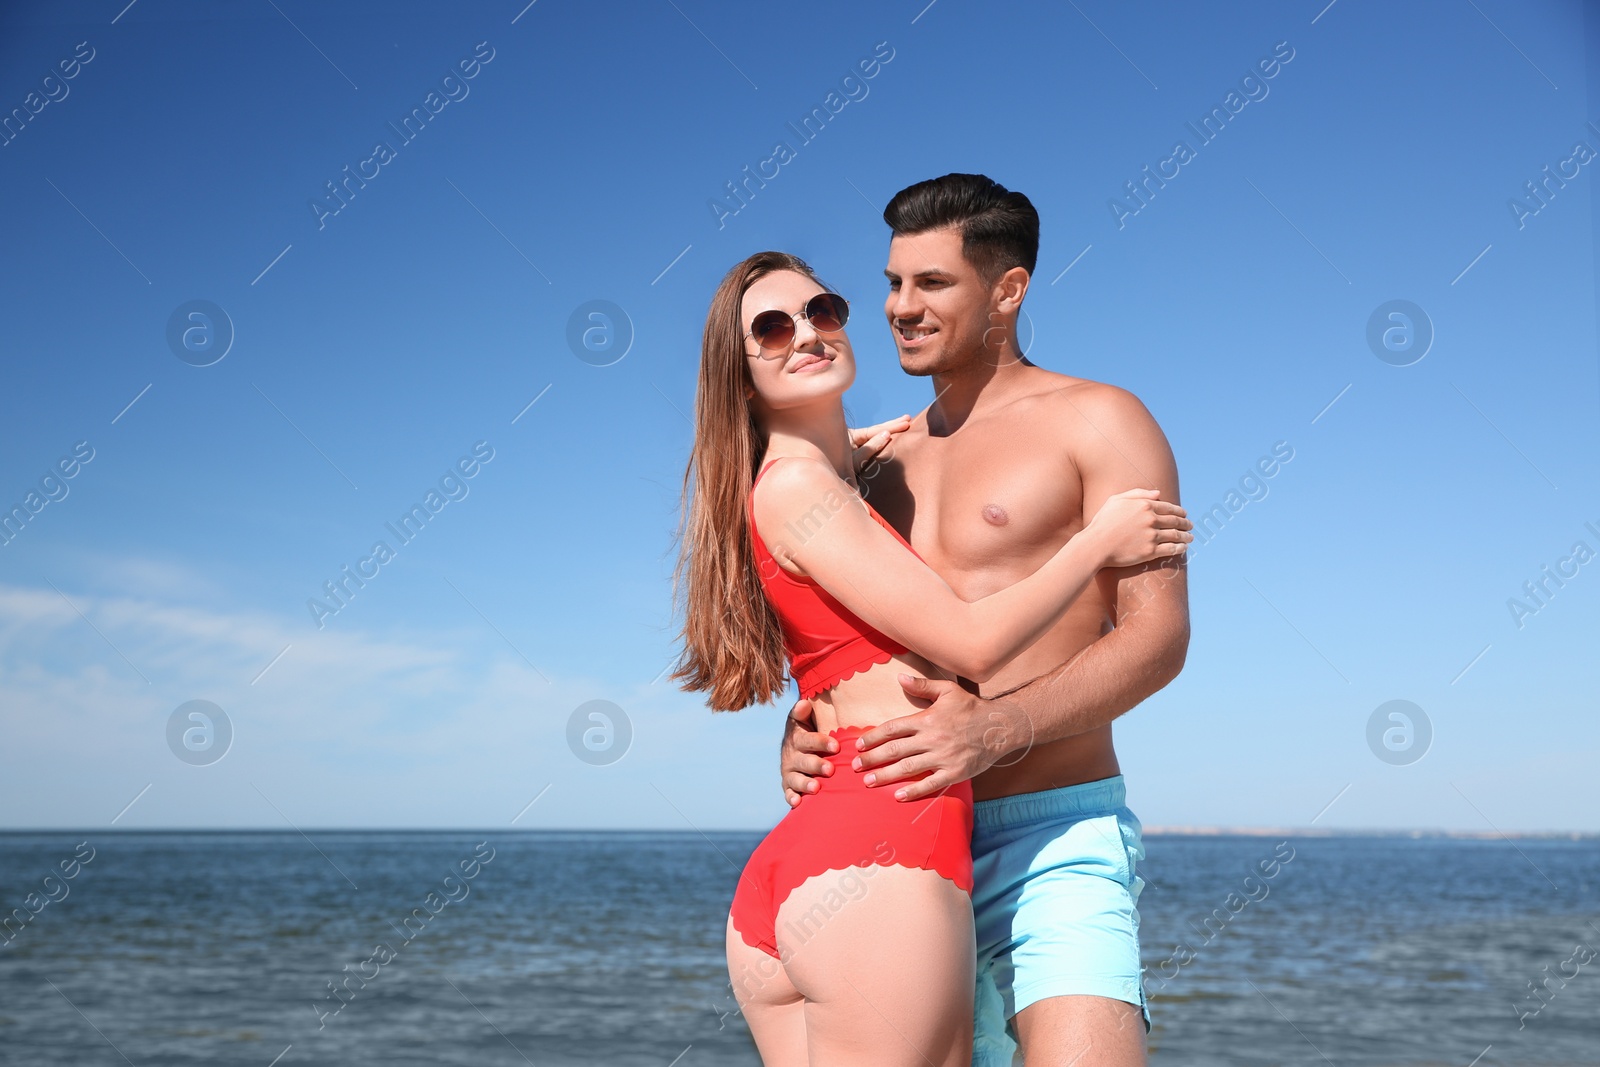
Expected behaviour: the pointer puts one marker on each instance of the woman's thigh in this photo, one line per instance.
(768, 1001)
(884, 958)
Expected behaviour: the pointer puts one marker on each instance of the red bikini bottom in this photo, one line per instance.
(844, 824)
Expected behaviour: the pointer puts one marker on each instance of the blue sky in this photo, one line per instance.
(374, 347)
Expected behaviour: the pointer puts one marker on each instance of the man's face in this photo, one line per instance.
(938, 304)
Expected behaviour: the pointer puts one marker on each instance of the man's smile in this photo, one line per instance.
(911, 336)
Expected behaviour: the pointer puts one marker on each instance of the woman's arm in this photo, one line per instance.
(812, 520)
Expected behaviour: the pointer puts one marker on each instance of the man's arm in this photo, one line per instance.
(1120, 446)
(960, 735)
(1116, 673)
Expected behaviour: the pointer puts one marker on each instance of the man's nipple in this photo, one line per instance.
(995, 515)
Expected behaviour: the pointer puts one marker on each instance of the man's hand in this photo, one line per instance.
(869, 442)
(956, 737)
(800, 761)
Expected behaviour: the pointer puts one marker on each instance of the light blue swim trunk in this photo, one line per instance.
(1054, 901)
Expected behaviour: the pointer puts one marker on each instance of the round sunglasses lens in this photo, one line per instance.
(828, 312)
(773, 329)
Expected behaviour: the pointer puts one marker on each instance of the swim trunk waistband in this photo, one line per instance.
(1051, 805)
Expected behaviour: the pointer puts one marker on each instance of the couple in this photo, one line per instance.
(956, 874)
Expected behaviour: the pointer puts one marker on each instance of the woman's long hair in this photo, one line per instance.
(732, 641)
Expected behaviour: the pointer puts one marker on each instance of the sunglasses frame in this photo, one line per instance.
(794, 321)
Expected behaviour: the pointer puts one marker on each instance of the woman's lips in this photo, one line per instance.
(809, 361)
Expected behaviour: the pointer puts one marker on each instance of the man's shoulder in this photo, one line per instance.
(1104, 430)
(1083, 400)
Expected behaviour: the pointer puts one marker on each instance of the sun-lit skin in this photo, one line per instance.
(1007, 462)
(814, 374)
(798, 402)
(1005, 439)
(1003, 470)
(940, 308)
(796, 398)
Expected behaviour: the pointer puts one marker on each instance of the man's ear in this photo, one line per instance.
(1010, 288)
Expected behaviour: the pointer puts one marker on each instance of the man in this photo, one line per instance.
(1006, 464)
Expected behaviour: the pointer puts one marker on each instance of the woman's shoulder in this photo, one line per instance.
(787, 486)
(803, 473)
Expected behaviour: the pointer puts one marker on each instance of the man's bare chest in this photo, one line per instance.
(987, 504)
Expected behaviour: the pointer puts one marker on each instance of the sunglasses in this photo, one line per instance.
(774, 330)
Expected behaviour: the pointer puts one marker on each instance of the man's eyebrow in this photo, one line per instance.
(931, 272)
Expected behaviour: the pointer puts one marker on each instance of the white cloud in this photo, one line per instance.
(347, 728)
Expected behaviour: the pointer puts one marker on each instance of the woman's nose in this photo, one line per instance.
(805, 335)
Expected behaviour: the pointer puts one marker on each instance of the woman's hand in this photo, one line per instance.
(801, 759)
(870, 441)
(1137, 526)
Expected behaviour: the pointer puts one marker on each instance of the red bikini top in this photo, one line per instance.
(826, 642)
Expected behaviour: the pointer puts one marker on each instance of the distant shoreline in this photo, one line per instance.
(1285, 831)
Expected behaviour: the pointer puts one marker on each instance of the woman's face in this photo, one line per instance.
(814, 367)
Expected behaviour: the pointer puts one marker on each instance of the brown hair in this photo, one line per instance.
(999, 227)
(732, 641)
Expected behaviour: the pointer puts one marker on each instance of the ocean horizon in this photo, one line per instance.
(1148, 831)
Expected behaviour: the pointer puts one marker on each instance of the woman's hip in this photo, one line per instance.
(845, 825)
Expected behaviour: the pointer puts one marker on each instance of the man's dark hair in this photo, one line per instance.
(999, 228)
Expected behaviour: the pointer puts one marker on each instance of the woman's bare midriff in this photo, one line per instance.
(872, 696)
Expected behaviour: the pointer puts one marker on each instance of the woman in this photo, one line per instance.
(850, 935)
